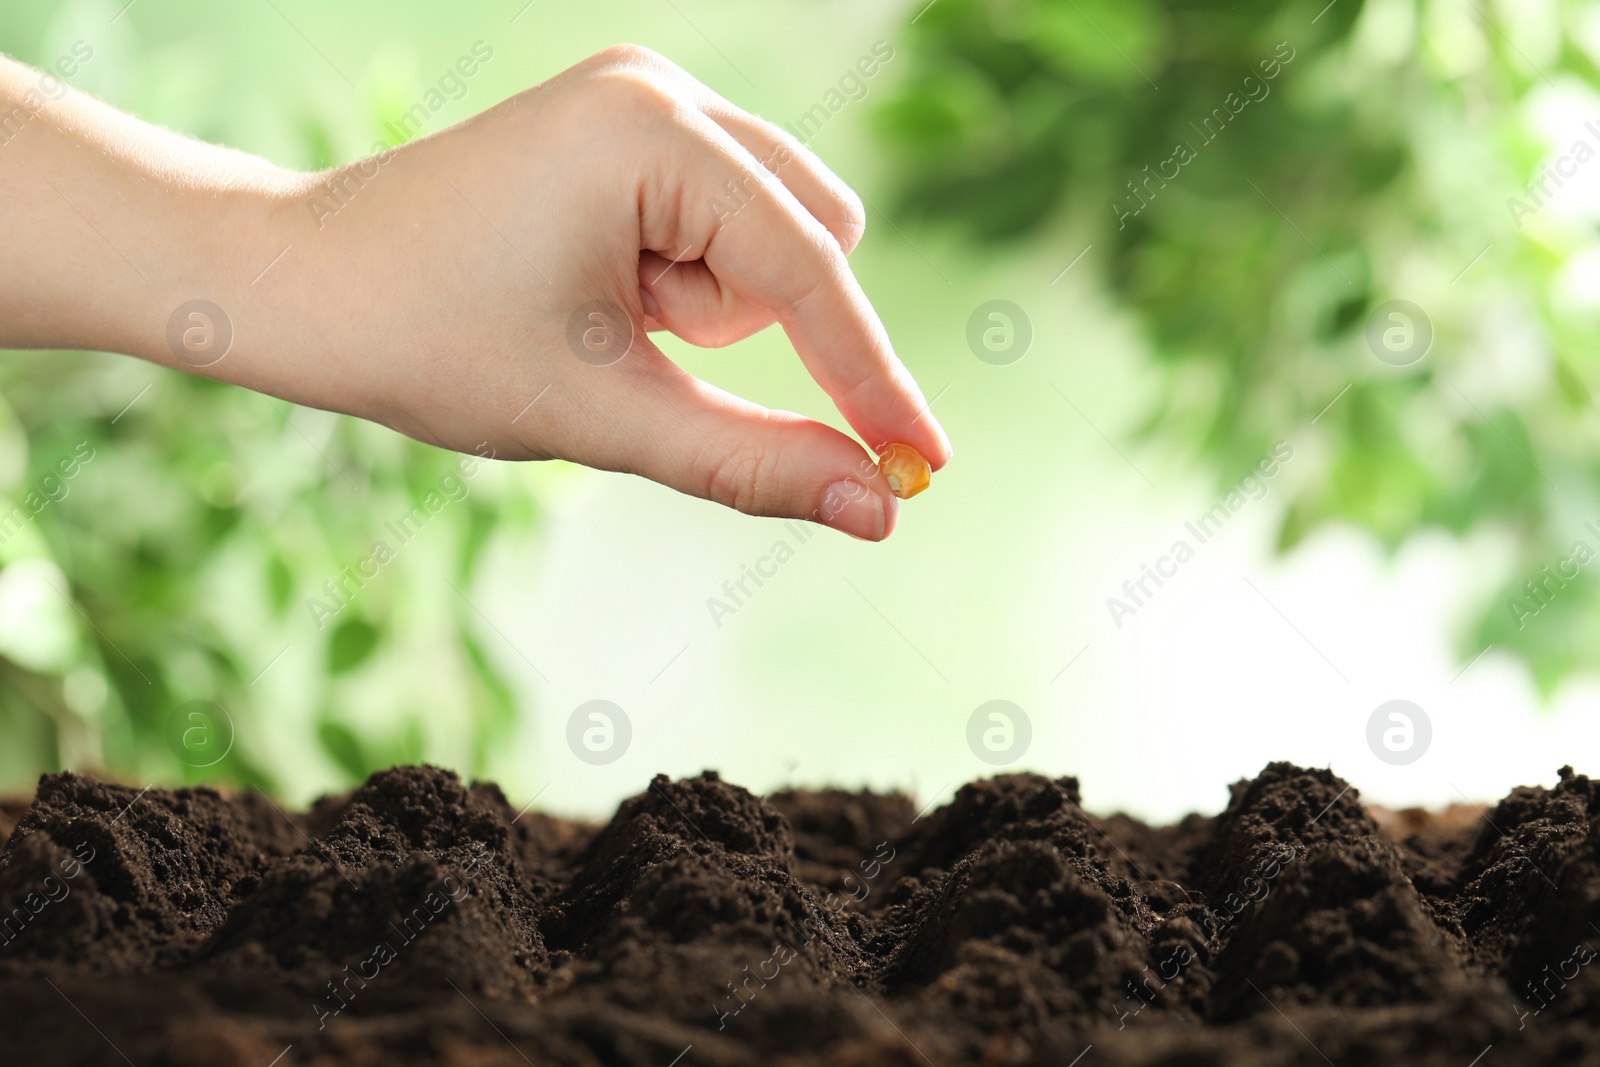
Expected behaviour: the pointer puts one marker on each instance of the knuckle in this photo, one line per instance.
(858, 385)
(825, 268)
(852, 218)
(630, 55)
(635, 91)
(842, 210)
(633, 80)
(742, 478)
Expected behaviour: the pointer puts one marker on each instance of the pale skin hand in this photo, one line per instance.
(436, 298)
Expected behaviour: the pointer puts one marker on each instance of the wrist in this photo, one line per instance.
(216, 247)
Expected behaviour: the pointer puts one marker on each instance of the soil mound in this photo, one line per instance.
(422, 920)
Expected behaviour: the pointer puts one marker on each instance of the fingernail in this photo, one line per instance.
(852, 508)
(944, 439)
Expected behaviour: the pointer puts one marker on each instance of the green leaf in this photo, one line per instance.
(352, 643)
(344, 747)
(280, 583)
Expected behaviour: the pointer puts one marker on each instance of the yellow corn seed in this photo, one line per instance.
(908, 473)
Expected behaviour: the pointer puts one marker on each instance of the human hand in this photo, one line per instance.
(484, 288)
(476, 288)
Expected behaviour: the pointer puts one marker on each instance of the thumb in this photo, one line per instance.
(695, 438)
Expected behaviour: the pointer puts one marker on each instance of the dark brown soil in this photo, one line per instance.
(419, 920)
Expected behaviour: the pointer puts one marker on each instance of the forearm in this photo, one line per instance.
(110, 224)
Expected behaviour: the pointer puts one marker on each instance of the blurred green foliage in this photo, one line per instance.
(132, 593)
(180, 561)
(1257, 179)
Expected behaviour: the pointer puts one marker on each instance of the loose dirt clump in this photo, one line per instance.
(421, 920)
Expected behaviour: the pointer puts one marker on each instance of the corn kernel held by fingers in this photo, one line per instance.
(908, 473)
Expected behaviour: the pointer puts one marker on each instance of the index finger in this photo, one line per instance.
(776, 255)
